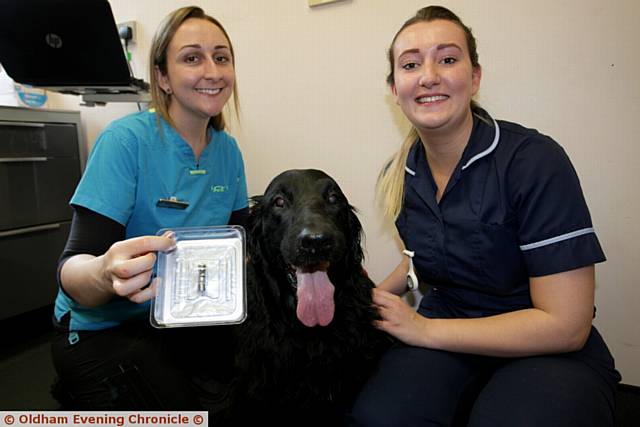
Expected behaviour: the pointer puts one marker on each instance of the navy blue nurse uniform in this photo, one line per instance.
(512, 209)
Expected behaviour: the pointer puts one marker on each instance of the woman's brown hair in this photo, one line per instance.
(158, 60)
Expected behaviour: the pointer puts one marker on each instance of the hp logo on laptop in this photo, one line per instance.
(53, 40)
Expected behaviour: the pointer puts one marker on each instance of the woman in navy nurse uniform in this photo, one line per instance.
(499, 229)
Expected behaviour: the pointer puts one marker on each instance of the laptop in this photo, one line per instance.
(68, 46)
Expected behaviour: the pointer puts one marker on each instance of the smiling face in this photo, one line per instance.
(200, 73)
(434, 80)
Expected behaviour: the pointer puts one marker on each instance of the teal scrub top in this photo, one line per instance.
(136, 161)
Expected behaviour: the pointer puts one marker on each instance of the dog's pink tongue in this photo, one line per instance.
(315, 298)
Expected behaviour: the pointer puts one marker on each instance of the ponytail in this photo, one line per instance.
(390, 184)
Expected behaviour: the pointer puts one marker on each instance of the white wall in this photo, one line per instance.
(313, 95)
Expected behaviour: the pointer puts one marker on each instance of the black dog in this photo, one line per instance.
(308, 343)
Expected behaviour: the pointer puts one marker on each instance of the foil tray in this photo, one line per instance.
(202, 281)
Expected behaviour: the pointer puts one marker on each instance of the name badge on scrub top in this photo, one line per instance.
(173, 203)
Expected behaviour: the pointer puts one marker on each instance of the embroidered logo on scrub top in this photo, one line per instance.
(219, 188)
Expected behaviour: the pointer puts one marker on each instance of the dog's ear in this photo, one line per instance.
(254, 224)
(355, 254)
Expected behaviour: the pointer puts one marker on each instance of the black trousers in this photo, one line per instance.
(422, 387)
(136, 367)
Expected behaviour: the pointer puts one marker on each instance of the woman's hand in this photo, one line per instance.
(128, 266)
(399, 319)
(124, 270)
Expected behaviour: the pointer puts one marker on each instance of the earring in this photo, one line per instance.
(168, 91)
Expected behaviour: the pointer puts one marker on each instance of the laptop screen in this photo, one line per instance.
(59, 43)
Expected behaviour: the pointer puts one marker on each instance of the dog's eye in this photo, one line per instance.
(333, 199)
(278, 202)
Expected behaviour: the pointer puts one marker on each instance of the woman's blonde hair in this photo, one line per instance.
(158, 58)
(390, 184)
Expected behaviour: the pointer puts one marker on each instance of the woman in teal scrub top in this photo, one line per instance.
(171, 166)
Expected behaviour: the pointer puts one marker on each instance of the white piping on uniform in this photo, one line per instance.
(410, 171)
(492, 147)
(557, 239)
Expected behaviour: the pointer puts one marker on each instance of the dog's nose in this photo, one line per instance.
(312, 243)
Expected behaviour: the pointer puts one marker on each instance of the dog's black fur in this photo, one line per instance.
(289, 373)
